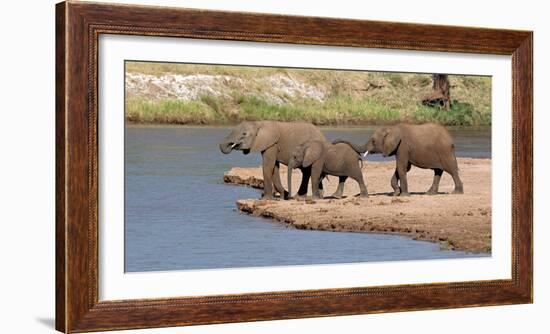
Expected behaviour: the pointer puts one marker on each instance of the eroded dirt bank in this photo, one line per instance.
(461, 222)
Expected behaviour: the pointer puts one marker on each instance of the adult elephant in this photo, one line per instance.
(426, 146)
(275, 141)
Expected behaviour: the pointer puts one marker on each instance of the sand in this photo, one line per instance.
(458, 222)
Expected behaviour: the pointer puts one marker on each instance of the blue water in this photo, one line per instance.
(180, 215)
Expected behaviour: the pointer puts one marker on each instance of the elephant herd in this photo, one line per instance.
(303, 146)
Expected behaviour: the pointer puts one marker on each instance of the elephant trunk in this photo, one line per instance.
(289, 178)
(361, 149)
(226, 147)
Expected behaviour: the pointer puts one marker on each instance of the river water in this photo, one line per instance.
(179, 215)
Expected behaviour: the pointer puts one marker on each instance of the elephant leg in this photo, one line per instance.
(268, 165)
(316, 172)
(402, 169)
(450, 166)
(321, 190)
(435, 185)
(395, 184)
(459, 188)
(340, 190)
(306, 173)
(320, 185)
(277, 182)
(362, 185)
(356, 174)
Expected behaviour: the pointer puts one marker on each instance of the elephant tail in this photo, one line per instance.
(357, 148)
(453, 152)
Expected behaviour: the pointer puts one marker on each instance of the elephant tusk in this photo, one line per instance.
(365, 154)
(234, 144)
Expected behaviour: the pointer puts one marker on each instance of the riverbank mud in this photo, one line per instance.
(458, 222)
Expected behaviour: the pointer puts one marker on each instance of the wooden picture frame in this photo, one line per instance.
(78, 26)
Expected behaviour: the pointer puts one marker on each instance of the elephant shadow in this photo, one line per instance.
(390, 194)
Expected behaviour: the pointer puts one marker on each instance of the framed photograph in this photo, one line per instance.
(223, 166)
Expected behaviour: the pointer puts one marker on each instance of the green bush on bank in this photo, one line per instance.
(334, 111)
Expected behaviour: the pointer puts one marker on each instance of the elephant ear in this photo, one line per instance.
(266, 137)
(391, 141)
(312, 153)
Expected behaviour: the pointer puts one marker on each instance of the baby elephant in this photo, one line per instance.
(327, 159)
(425, 146)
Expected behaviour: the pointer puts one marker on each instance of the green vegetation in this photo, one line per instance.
(141, 110)
(323, 97)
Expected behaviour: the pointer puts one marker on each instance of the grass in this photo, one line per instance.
(350, 97)
(334, 111)
(142, 110)
(158, 69)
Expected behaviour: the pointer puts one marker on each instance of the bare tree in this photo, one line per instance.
(441, 95)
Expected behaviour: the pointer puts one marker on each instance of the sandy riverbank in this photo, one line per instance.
(461, 222)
